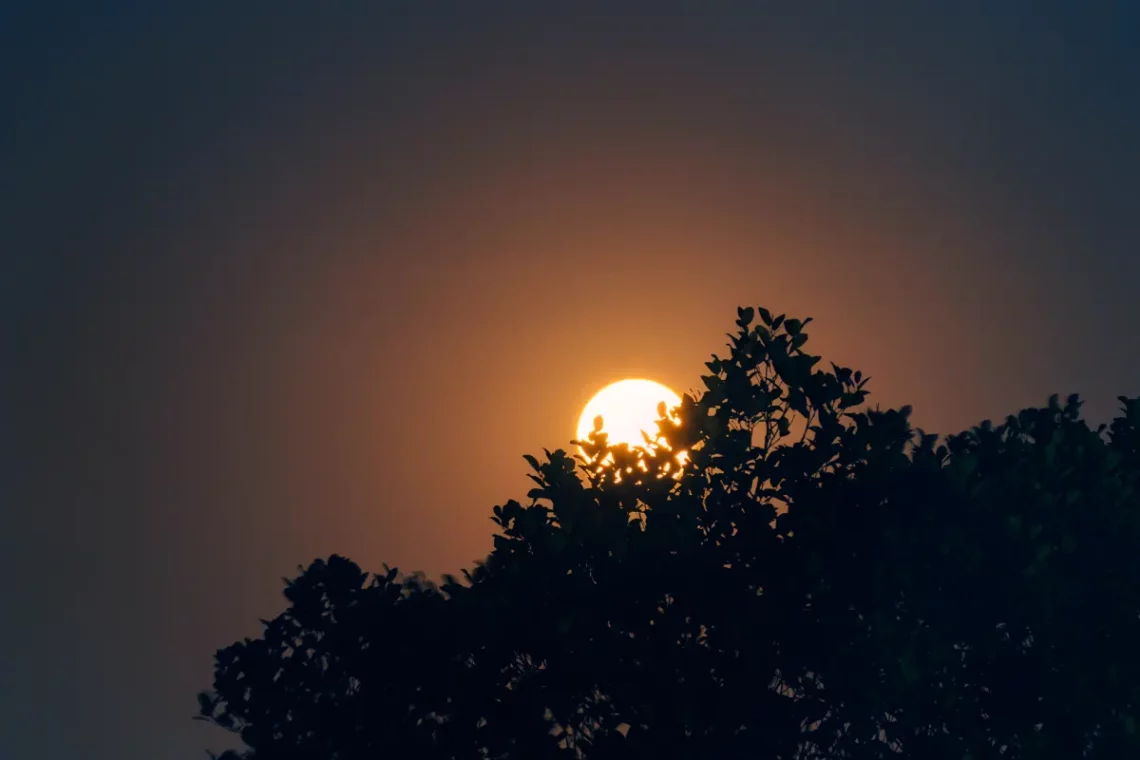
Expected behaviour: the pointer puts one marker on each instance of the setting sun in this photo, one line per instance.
(627, 408)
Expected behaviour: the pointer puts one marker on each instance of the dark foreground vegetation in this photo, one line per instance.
(821, 580)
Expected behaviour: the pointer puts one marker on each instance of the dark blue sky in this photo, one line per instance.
(279, 281)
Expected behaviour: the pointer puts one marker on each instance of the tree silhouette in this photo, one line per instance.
(820, 579)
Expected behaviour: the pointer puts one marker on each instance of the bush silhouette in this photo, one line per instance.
(820, 580)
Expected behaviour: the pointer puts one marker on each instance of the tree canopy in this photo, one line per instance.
(820, 579)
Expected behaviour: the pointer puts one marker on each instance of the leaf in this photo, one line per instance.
(714, 384)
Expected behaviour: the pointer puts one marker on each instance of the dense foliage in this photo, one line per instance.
(820, 579)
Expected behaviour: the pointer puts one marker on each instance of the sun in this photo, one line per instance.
(627, 408)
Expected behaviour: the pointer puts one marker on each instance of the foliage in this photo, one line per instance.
(820, 579)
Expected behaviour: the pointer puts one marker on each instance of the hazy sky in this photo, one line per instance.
(279, 281)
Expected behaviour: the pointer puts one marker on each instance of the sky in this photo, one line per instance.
(283, 280)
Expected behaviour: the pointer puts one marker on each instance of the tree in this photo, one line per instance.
(820, 579)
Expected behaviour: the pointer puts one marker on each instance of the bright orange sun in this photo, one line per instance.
(628, 408)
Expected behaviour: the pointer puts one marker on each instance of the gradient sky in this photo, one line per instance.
(278, 281)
